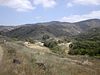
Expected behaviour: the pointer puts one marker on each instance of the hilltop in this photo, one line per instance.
(52, 29)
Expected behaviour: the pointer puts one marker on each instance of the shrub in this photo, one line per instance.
(50, 44)
(45, 37)
(30, 40)
(91, 48)
(53, 45)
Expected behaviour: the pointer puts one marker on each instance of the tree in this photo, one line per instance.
(45, 37)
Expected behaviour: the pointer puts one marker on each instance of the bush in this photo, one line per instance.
(91, 48)
(45, 37)
(50, 44)
(53, 45)
(30, 40)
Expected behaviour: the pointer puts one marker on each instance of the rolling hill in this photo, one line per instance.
(53, 29)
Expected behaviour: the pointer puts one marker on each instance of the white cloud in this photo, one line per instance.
(19, 5)
(25, 5)
(45, 3)
(84, 2)
(69, 4)
(76, 18)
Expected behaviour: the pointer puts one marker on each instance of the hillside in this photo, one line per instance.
(53, 29)
(88, 24)
(6, 28)
(87, 43)
(37, 31)
(91, 34)
(19, 59)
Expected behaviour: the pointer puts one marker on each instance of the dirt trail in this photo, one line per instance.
(40, 49)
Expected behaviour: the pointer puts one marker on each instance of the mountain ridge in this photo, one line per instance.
(53, 29)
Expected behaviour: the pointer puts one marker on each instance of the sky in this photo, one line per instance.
(17, 12)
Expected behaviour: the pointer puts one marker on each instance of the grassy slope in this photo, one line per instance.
(32, 62)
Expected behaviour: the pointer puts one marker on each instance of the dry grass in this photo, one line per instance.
(21, 60)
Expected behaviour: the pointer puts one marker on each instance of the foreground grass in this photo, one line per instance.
(21, 60)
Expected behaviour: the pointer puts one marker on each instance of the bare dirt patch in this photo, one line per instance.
(38, 47)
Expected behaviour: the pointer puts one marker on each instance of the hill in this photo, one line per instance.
(52, 29)
(17, 58)
(88, 24)
(6, 28)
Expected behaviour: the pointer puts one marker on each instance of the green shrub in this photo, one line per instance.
(91, 48)
(50, 44)
(53, 45)
(45, 37)
(30, 40)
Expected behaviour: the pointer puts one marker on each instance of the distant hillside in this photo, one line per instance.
(91, 34)
(53, 29)
(88, 24)
(36, 31)
(6, 28)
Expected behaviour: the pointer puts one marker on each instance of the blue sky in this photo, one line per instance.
(16, 12)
